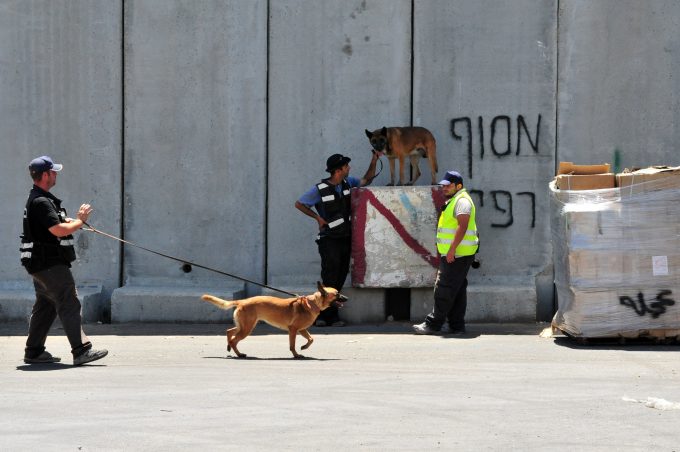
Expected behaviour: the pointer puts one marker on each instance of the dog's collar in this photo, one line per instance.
(310, 305)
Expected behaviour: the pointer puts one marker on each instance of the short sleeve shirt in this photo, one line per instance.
(43, 215)
(463, 207)
(312, 197)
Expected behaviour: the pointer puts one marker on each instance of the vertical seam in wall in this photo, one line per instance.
(557, 84)
(413, 20)
(121, 246)
(265, 263)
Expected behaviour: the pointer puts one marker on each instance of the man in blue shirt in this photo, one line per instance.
(332, 200)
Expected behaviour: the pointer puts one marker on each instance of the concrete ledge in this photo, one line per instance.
(486, 303)
(16, 303)
(166, 304)
(364, 305)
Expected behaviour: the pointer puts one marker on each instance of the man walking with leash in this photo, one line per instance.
(47, 252)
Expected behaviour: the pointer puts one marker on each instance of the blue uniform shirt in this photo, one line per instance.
(312, 197)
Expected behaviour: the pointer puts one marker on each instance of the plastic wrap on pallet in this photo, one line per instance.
(617, 258)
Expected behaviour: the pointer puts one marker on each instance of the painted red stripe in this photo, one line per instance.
(358, 235)
(400, 230)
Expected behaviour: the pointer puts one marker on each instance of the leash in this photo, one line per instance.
(183, 261)
(368, 181)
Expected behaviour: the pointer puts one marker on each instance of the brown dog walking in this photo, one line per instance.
(294, 315)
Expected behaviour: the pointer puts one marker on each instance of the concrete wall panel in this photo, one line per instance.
(195, 130)
(618, 84)
(484, 83)
(60, 95)
(336, 68)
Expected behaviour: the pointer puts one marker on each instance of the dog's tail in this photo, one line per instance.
(220, 303)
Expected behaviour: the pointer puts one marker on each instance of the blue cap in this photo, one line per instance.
(42, 164)
(451, 177)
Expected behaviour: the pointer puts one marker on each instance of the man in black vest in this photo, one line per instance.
(47, 252)
(331, 199)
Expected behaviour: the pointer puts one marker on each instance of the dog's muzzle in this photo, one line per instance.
(340, 300)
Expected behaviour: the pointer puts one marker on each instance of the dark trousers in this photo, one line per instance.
(450, 293)
(335, 255)
(55, 295)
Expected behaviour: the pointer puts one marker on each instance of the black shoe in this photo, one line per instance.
(89, 356)
(424, 328)
(43, 358)
(453, 331)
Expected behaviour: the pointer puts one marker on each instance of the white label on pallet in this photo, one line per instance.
(660, 265)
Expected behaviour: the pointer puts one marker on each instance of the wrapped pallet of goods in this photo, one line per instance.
(616, 252)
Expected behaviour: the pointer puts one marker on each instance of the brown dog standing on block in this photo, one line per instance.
(294, 315)
(399, 142)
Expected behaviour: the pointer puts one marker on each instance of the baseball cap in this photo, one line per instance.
(44, 163)
(336, 161)
(451, 177)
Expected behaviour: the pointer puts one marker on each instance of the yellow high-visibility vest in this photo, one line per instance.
(448, 225)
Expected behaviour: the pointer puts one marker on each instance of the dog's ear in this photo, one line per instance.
(384, 131)
(321, 288)
(368, 134)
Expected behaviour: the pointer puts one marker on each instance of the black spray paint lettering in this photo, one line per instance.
(502, 202)
(501, 127)
(655, 309)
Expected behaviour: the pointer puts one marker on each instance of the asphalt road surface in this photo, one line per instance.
(500, 387)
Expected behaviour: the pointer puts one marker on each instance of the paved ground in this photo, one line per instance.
(502, 387)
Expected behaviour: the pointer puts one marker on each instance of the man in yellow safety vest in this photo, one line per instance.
(457, 243)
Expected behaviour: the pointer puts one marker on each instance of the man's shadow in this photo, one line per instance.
(47, 367)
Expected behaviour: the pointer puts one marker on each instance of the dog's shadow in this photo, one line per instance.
(255, 358)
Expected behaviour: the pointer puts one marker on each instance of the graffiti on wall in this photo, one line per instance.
(495, 137)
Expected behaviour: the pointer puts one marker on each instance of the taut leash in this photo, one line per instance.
(184, 261)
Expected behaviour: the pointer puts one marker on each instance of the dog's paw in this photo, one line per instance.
(299, 357)
(409, 183)
(241, 355)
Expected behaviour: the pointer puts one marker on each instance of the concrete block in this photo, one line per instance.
(364, 305)
(486, 303)
(393, 236)
(16, 303)
(168, 304)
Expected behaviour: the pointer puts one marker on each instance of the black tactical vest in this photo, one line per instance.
(336, 209)
(36, 256)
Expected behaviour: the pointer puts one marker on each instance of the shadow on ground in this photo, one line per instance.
(211, 329)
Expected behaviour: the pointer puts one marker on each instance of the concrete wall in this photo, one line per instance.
(60, 95)
(193, 126)
(618, 82)
(195, 134)
(333, 73)
(484, 81)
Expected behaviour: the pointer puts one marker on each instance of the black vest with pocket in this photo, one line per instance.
(335, 208)
(39, 255)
